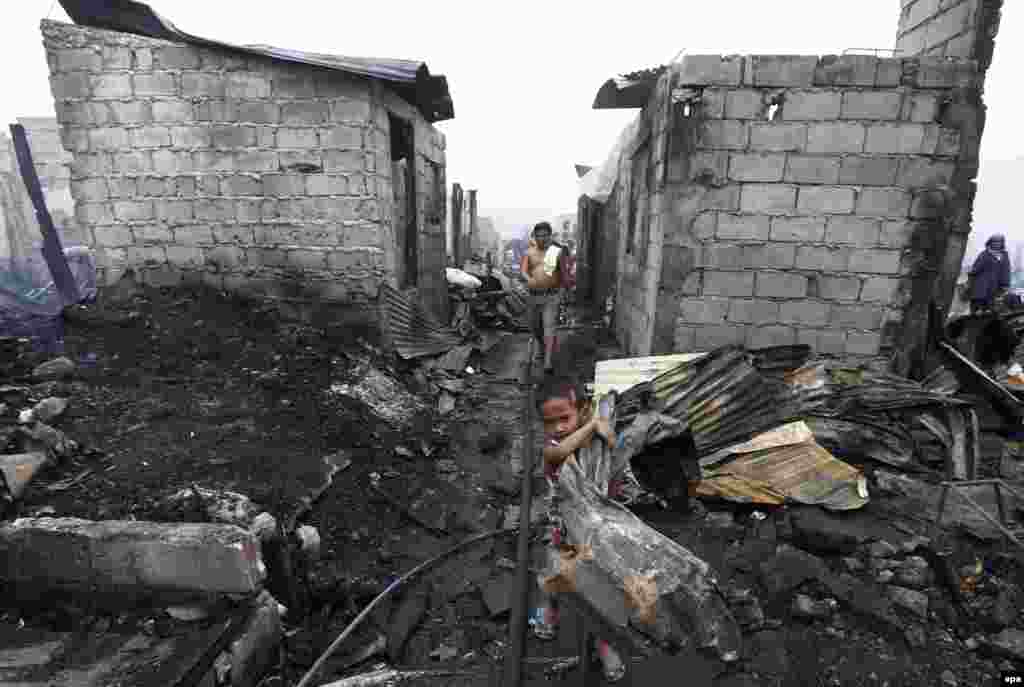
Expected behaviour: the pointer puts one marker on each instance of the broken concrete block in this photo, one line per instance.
(58, 368)
(129, 560)
(910, 599)
(49, 409)
(17, 470)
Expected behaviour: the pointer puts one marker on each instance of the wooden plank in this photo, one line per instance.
(52, 249)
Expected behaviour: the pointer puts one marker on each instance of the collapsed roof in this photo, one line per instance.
(409, 79)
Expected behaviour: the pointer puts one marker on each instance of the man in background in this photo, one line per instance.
(990, 274)
(542, 268)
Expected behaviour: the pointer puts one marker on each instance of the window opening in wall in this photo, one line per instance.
(772, 110)
(639, 212)
(403, 182)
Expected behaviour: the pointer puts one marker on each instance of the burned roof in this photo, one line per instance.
(628, 91)
(410, 79)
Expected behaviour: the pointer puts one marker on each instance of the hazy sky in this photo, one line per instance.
(523, 75)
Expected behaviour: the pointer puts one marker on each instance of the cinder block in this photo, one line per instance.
(713, 336)
(941, 140)
(174, 211)
(863, 343)
(246, 85)
(171, 163)
(155, 84)
(835, 138)
(846, 70)
(70, 85)
(712, 103)
(133, 210)
(879, 290)
(766, 167)
(292, 82)
(825, 199)
(347, 111)
(768, 199)
(79, 59)
(769, 256)
(256, 161)
(828, 341)
(812, 169)
(149, 137)
(192, 234)
(126, 187)
(151, 234)
(343, 137)
(937, 72)
(778, 136)
(108, 138)
(176, 57)
(895, 139)
(857, 316)
(857, 231)
(822, 258)
(705, 166)
(744, 104)
(237, 136)
(932, 204)
(90, 190)
(233, 233)
(685, 338)
(921, 172)
(143, 59)
(111, 86)
(177, 111)
(326, 185)
(816, 105)
(136, 558)
(297, 138)
(307, 259)
(725, 198)
(191, 137)
(781, 285)
(771, 335)
(920, 107)
(241, 185)
(710, 70)
(707, 310)
(214, 210)
(808, 229)
(872, 104)
(896, 234)
(113, 236)
(203, 85)
(753, 311)
(704, 226)
(875, 261)
(804, 312)
(787, 71)
(839, 288)
(883, 202)
(283, 185)
(868, 171)
(730, 134)
(733, 284)
(304, 113)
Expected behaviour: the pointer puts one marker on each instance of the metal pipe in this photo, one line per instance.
(458, 548)
(512, 675)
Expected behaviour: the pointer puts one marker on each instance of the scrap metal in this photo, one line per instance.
(409, 329)
(412, 80)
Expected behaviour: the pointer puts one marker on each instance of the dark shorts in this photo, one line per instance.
(544, 311)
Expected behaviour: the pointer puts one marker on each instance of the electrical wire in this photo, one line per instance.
(458, 548)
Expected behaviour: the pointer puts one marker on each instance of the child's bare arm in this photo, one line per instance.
(556, 455)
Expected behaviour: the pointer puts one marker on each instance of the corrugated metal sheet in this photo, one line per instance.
(721, 395)
(804, 473)
(619, 93)
(622, 373)
(409, 330)
(410, 79)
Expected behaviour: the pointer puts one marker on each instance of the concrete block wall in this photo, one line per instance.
(802, 201)
(267, 178)
(947, 28)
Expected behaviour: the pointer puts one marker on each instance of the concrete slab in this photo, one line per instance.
(118, 562)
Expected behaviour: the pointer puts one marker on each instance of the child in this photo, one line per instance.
(568, 426)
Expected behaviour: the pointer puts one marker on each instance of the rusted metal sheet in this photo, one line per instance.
(802, 472)
(721, 396)
(410, 79)
(409, 330)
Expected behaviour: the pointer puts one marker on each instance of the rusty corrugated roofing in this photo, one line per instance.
(410, 79)
(409, 330)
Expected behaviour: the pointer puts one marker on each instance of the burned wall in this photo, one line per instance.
(805, 200)
(257, 176)
(948, 28)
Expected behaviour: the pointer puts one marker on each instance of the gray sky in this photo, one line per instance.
(523, 75)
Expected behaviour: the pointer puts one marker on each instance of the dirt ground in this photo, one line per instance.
(191, 387)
